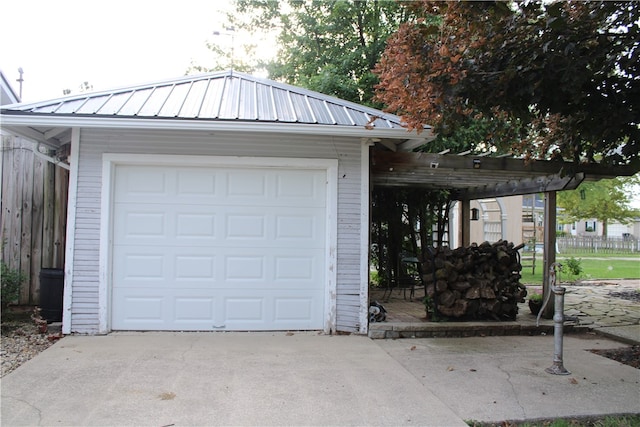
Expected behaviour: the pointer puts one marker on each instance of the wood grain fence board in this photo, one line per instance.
(15, 194)
(7, 191)
(25, 227)
(36, 229)
(48, 224)
(60, 216)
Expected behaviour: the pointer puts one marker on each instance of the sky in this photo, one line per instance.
(59, 44)
(109, 44)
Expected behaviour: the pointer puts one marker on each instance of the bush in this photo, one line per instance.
(574, 266)
(11, 281)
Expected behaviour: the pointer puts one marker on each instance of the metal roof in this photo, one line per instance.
(220, 96)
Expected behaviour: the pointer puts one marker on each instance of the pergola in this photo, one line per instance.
(470, 176)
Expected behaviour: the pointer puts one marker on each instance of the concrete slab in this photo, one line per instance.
(493, 379)
(629, 334)
(193, 379)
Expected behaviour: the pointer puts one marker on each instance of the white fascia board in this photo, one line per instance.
(206, 125)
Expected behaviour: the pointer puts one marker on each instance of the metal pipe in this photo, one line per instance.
(558, 329)
(36, 151)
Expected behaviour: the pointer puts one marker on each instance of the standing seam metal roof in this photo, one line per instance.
(225, 95)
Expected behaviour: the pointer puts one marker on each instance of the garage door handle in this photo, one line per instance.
(218, 327)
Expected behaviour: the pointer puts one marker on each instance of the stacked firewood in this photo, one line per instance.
(476, 282)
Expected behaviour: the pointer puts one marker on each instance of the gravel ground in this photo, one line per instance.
(21, 341)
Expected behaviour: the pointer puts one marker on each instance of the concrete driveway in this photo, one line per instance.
(493, 379)
(163, 379)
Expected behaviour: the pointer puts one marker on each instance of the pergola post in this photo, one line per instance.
(464, 224)
(549, 255)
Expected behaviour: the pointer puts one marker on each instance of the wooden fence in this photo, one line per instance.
(598, 244)
(34, 213)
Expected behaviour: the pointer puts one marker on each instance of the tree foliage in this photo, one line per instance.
(562, 77)
(604, 200)
(406, 221)
(330, 46)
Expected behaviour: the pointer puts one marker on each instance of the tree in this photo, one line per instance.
(327, 46)
(563, 78)
(604, 200)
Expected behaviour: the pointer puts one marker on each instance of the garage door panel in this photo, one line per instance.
(271, 227)
(294, 188)
(193, 226)
(159, 266)
(299, 227)
(220, 186)
(162, 224)
(218, 248)
(194, 309)
(197, 182)
(246, 310)
(150, 266)
(245, 268)
(280, 268)
(139, 311)
(245, 226)
(142, 184)
(292, 309)
(136, 224)
(295, 267)
(275, 310)
(247, 185)
(144, 267)
(170, 309)
(190, 267)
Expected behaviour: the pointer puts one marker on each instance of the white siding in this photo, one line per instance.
(95, 142)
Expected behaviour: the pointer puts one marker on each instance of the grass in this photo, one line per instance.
(608, 421)
(609, 268)
(578, 254)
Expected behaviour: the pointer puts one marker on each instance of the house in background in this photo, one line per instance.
(520, 219)
(591, 227)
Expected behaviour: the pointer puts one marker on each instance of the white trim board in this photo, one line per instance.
(72, 198)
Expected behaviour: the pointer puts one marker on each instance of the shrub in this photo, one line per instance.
(11, 281)
(574, 266)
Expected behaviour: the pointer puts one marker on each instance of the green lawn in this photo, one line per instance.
(597, 255)
(609, 268)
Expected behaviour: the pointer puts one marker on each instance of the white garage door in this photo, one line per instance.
(200, 248)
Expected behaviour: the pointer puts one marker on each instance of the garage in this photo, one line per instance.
(214, 202)
(214, 247)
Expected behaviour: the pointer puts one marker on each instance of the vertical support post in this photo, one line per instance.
(465, 223)
(365, 232)
(549, 256)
